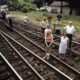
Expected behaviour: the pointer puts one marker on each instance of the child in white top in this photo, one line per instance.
(63, 44)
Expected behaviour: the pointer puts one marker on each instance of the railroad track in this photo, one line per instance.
(75, 45)
(64, 67)
(71, 59)
(36, 30)
(23, 68)
(7, 72)
(22, 30)
(45, 69)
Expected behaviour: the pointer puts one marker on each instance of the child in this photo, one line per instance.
(48, 42)
(63, 45)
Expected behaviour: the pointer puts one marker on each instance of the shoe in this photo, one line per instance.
(44, 57)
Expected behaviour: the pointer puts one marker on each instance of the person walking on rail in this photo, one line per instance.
(9, 21)
(48, 41)
(63, 45)
(70, 30)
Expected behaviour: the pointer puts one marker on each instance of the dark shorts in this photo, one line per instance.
(58, 31)
(42, 29)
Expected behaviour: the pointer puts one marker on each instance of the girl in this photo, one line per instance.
(63, 45)
(48, 42)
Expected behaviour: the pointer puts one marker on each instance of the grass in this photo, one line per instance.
(38, 16)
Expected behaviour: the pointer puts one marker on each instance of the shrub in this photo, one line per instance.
(45, 14)
(25, 7)
(38, 20)
(20, 5)
(11, 8)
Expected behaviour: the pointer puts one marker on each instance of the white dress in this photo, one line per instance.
(63, 45)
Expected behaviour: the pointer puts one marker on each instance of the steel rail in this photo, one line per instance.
(33, 70)
(18, 77)
(50, 66)
(55, 43)
(65, 64)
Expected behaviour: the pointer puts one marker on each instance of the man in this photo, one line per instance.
(9, 21)
(58, 29)
(70, 30)
(59, 16)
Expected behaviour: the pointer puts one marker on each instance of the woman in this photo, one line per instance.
(63, 45)
(48, 42)
(43, 25)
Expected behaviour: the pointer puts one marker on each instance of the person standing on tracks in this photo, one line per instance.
(48, 41)
(57, 29)
(43, 25)
(70, 30)
(59, 16)
(49, 18)
(63, 45)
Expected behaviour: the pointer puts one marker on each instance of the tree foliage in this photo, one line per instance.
(21, 5)
(74, 4)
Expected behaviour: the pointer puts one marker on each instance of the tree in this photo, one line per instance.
(74, 5)
(2, 2)
(20, 5)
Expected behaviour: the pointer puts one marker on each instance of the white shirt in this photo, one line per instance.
(8, 16)
(64, 40)
(69, 29)
(26, 18)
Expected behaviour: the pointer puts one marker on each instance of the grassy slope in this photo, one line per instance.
(37, 16)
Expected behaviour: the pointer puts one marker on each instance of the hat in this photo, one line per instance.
(44, 18)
